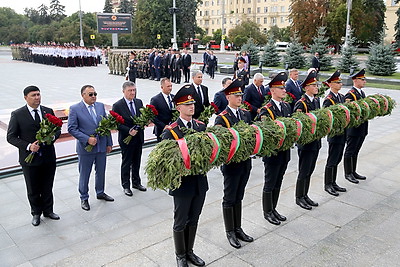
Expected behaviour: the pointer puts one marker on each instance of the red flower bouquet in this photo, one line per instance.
(206, 114)
(107, 124)
(289, 97)
(246, 105)
(48, 128)
(147, 115)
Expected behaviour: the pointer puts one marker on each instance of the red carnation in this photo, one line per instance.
(120, 120)
(114, 114)
(153, 109)
(291, 95)
(214, 106)
(248, 105)
(54, 120)
(269, 93)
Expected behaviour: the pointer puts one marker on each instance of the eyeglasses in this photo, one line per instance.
(92, 94)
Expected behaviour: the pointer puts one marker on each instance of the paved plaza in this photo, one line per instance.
(358, 228)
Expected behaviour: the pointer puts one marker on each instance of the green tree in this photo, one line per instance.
(44, 17)
(348, 61)
(217, 36)
(253, 50)
(126, 6)
(270, 57)
(13, 26)
(248, 29)
(57, 11)
(320, 42)
(294, 58)
(32, 14)
(397, 26)
(381, 60)
(186, 18)
(279, 34)
(107, 7)
(239, 40)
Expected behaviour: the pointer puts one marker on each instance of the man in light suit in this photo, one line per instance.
(164, 105)
(200, 93)
(129, 107)
(39, 174)
(83, 119)
(293, 86)
(255, 94)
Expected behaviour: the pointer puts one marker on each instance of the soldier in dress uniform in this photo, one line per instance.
(355, 136)
(241, 73)
(308, 153)
(132, 65)
(336, 143)
(236, 175)
(275, 166)
(190, 196)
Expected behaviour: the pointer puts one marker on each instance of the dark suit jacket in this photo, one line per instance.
(253, 97)
(157, 62)
(123, 129)
(198, 106)
(221, 101)
(244, 76)
(176, 64)
(315, 63)
(81, 126)
(361, 130)
(232, 119)
(22, 132)
(192, 184)
(330, 100)
(164, 113)
(186, 60)
(297, 91)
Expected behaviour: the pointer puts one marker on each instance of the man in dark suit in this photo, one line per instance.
(164, 105)
(200, 93)
(293, 86)
(151, 64)
(356, 135)
(129, 107)
(157, 66)
(83, 119)
(315, 62)
(39, 174)
(220, 98)
(212, 64)
(190, 196)
(177, 68)
(275, 166)
(186, 62)
(255, 94)
(336, 143)
(308, 153)
(236, 174)
(206, 55)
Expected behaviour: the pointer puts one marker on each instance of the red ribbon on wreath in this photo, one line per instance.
(314, 122)
(234, 144)
(347, 111)
(299, 129)
(185, 152)
(283, 126)
(216, 147)
(259, 139)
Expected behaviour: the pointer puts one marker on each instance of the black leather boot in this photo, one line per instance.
(230, 227)
(268, 208)
(190, 234)
(275, 197)
(355, 174)
(329, 182)
(337, 188)
(306, 197)
(180, 250)
(237, 211)
(300, 195)
(348, 170)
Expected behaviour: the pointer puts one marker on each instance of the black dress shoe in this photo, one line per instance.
(194, 259)
(181, 261)
(358, 176)
(128, 192)
(270, 217)
(303, 203)
(310, 202)
(233, 239)
(105, 197)
(278, 216)
(51, 215)
(242, 235)
(85, 205)
(350, 177)
(338, 188)
(331, 190)
(139, 187)
(36, 220)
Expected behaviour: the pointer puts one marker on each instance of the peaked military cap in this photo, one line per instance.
(358, 75)
(310, 79)
(235, 88)
(184, 96)
(335, 77)
(279, 80)
(242, 59)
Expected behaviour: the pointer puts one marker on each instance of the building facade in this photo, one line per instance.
(390, 20)
(226, 14)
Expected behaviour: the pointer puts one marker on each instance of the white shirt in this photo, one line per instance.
(33, 113)
(87, 106)
(185, 122)
(234, 111)
(166, 99)
(129, 106)
(310, 97)
(277, 103)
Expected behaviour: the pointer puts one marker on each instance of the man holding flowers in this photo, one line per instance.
(92, 145)
(36, 151)
(131, 148)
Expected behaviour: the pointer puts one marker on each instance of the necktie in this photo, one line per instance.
(259, 92)
(189, 124)
(131, 108)
(37, 117)
(298, 85)
(281, 108)
(92, 114)
(237, 114)
(362, 93)
(199, 92)
(169, 102)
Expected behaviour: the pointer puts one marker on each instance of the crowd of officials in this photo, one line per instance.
(190, 100)
(66, 55)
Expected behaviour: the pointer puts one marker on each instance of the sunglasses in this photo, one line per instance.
(92, 94)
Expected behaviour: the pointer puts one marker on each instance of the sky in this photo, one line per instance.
(71, 6)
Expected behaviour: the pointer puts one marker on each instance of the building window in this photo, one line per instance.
(265, 20)
(282, 19)
(282, 9)
(218, 12)
(249, 10)
(206, 3)
(212, 12)
(212, 31)
(212, 3)
(212, 22)
(273, 21)
(258, 20)
(249, 1)
(201, 13)
(217, 21)
(206, 13)
(258, 9)
(265, 9)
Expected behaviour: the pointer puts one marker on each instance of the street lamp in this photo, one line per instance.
(173, 11)
(349, 3)
(81, 43)
(222, 46)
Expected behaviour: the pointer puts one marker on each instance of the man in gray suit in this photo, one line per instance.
(83, 119)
